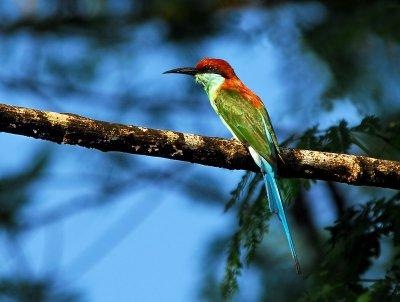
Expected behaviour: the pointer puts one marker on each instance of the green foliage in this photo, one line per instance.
(290, 188)
(334, 139)
(253, 217)
(355, 243)
(378, 138)
(233, 267)
(372, 135)
(337, 138)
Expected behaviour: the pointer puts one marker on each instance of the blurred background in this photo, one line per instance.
(82, 225)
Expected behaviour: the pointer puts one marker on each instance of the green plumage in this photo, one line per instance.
(245, 121)
(252, 126)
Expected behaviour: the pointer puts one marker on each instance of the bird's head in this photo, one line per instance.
(211, 73)
(208, 65)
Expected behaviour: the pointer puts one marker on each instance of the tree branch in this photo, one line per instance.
(72, 129)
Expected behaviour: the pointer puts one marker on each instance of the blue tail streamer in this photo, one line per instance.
(276, 205)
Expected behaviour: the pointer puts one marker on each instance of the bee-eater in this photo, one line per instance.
(244, 114)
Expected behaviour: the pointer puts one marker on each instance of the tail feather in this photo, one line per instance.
(276, 206)
(270, 196)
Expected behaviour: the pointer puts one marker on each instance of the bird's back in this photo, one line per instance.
(245, 116)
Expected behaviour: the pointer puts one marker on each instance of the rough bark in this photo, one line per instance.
(71, 129)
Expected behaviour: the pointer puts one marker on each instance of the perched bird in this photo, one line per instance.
(244, 114)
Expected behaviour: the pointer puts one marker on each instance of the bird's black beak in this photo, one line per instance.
(184, 70)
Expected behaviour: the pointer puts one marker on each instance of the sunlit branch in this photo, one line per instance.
(71, 129)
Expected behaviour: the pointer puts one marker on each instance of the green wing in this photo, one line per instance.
(246, 122)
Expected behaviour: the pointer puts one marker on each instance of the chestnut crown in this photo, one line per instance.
(218, 66)
(207, 65)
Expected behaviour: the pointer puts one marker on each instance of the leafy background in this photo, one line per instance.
(80, 225)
